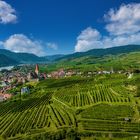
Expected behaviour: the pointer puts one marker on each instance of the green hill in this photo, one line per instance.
(21, 57)
(26, 58)
(54, 57)
(6, 61)
(118, 58)
(106, 57)
(103, 52)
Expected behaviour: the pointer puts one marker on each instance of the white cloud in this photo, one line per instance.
(88, 39)
(123, 27)
(21, 43)
(7, 13)
(89, 34)
(120, 40)
(52, 45)
(86, 44)
(125, 20)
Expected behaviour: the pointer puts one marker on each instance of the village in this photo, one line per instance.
(10, 79)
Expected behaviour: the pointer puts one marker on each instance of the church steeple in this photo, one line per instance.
(37, 69)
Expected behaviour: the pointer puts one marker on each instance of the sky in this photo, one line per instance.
(47, 27)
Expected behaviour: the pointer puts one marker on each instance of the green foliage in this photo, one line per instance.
(72, 108)
(71, 135)
(108, 112)
(104, 52)
(11, 58)
(119, 58)
(6, 61)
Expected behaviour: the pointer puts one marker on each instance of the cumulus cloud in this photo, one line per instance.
(123, 26)
(21, 43)
(88, 39)
(89, 34)
(125, 20)
(120, 40)
(85, 44)
(7, 13)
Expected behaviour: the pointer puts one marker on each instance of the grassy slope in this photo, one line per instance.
(88, 63)
(70, 103)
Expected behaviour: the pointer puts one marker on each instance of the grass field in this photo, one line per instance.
(101, 107)
(122, 61)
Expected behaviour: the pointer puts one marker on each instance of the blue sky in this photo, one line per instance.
(46, 27)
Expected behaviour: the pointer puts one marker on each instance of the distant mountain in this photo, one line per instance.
(103, 52)
(54, 57)
(9, 58)
(6, 61)
(21, 57)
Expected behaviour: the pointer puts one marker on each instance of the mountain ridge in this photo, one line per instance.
(7, 60)
(20, 57)
(102, 52)
(24, 58)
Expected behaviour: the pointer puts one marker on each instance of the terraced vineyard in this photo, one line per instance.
(98, 93)
(70, 108)
(27, 116)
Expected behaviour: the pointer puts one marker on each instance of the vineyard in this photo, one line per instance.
(73, 107)
(97, 94)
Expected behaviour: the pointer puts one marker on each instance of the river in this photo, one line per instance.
(7, 68)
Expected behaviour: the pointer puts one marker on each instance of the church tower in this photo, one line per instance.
(37, 69)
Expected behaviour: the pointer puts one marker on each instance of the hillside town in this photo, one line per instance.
(10, 79)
